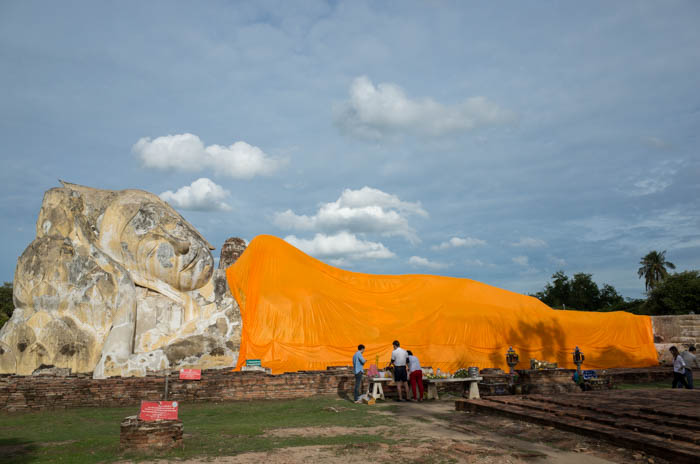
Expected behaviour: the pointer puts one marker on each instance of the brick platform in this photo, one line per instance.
(664, 423)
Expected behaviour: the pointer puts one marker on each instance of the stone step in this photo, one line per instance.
(684, 340)
(689, 422)
(647, 423)
(665, 442)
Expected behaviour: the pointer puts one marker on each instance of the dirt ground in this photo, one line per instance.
(433, 432)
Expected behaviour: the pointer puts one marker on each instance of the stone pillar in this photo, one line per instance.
(138, 435)
(230, 251)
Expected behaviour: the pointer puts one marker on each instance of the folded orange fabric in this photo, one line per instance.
(301, 314)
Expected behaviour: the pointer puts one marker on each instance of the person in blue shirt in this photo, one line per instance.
(357, 362)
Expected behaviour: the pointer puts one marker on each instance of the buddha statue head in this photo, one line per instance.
(148, 237)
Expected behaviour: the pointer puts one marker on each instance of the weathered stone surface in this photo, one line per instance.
(230, 251)
(51, 371)
(8, 362)
(191, 346)
(680, 331)
(112, 280)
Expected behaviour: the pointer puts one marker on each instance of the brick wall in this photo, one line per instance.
(638, 376)
(23, 393)
(26, 393)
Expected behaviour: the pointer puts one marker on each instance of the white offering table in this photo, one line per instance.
(375, 386)
(472, 381)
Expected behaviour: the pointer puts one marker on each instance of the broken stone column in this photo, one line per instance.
(230, 251)
(145, 436)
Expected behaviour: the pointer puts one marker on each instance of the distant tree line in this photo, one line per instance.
(579, 292)
(677, 293)
(6, 305)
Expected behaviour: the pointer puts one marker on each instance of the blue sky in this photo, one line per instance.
(496, 142)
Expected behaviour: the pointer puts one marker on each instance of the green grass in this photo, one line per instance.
(92, 434)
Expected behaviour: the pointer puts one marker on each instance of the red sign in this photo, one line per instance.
(158, 410)
(190, 374)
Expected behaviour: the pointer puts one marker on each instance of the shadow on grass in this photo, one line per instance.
(16, 450)
(345, 387)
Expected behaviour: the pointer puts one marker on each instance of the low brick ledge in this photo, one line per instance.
(27, 393)
(662, 423)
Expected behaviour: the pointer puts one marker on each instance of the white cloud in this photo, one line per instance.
(648, 186)
(525, 267)
(456, 242)
(200, 195)
(374, 111)
(474, 262)
(339, 262)
(661, 228)
(656, 179)
(655, 142)
(418, 261)
(186, 152)
(557, 261)
(529, 242)
(340, 248)
(367, 196)
(366, 210)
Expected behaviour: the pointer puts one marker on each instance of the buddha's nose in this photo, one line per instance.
(182, 247)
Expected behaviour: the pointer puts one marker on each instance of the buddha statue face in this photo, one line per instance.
(147, 236)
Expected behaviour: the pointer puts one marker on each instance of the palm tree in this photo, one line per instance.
(653, 268)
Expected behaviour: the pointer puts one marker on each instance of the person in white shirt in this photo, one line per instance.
(415, 375)
(690, 363)
(678, 369)
(399, 357)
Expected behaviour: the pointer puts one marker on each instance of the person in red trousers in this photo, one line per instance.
(415, 375)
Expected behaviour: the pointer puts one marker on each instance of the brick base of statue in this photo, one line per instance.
(547, 381)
